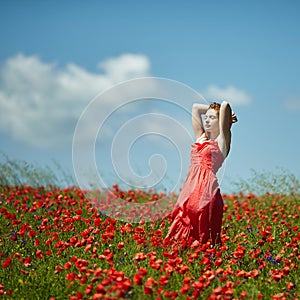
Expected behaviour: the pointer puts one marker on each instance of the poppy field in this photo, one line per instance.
(55, 244)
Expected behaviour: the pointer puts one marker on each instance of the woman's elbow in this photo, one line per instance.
(224, 103)
(225, 106)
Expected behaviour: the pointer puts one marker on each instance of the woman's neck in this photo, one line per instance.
(212, 136)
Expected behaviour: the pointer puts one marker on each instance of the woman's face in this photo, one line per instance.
(211, 121)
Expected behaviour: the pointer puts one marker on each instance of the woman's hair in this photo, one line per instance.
(216, 106)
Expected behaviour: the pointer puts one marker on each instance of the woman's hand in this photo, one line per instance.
(233, 117)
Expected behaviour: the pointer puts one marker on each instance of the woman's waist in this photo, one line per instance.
(200, 165)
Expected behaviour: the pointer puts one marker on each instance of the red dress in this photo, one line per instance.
(199, 209)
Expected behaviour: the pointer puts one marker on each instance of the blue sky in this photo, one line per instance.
(56, 56)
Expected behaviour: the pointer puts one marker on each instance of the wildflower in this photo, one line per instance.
(243, 295)
(6, 263)
(239, 252)
(31, 234)
(148, 287)
(254, 273)
(142, 271)
(58, 269)
(148, 290)
(218, 262)
(89, 289)
(139, 256)
(290, 285)
(36, 242)
(27, 262)
(100, 289)
(184, 289)
(70, 276)
(163, 280)
(138, 279)
(67, 265)
(39, 254)
(269, 258)
(24, 272)
(13, 236)
(120, 245)
(120, 260)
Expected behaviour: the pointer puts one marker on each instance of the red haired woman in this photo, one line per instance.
(199, 208)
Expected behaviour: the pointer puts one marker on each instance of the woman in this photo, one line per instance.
(199, 209)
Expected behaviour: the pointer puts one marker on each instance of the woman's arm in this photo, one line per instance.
(225, 122)
(198, 109)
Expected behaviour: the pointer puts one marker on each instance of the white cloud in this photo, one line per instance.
(292, 104)
(233, 95)
(40, 102)
(125, 66)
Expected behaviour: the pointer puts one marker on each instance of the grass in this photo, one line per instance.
(19, 172)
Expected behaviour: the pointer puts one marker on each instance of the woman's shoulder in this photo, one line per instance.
(202, 139)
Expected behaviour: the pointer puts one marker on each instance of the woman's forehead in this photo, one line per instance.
(211, 112)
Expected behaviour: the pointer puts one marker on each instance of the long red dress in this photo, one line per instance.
(199, 208)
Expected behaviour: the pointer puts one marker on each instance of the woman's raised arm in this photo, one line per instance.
(198, 109)
(225, 122)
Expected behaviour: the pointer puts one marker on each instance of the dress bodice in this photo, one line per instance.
(207, 155)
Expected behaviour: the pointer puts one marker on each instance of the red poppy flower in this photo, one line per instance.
(290, 285)
(163, 279)
(148, 290)
(58, 269)
(138, 279)
(218, 262)
(239, 252)
(39, 254)
(70, 276)
(139, 256)
(88, 289)
(184, 290)
(67, 265)
(101, 289)
(6, 263)
(142, 271)
(120, 245)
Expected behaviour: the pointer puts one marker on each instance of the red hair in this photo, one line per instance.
(216, 106)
